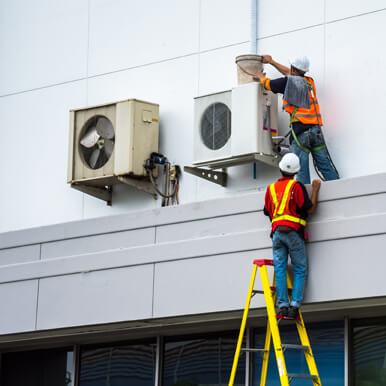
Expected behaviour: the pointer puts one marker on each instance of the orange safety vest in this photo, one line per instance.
(280, 194)
(309, 116)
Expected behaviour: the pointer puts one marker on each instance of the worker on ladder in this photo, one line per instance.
(287, 204)
(299, 100)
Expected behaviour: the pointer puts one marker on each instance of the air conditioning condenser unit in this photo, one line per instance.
(110, 143)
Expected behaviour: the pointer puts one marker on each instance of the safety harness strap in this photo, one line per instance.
(302, 147)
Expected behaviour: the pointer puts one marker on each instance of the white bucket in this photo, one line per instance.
(247, 66)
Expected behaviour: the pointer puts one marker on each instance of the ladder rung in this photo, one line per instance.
(257, 292)
(294, 346)
(261, 262)
(281, 317)
(253, 349)
(302, 376)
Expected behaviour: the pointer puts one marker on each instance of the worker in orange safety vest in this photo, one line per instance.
(300, 101)
(287, 204)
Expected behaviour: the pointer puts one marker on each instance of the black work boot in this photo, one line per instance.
(283, 311)
(293, 312)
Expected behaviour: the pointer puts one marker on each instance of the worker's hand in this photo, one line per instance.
(267, 59)
(316, 185)
(259, 76)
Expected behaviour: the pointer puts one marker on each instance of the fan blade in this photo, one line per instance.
(108, 147)
(90, 138)
(104, 128)
(94, 157)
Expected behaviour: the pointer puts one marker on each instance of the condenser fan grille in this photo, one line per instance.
(97, 141)
(216, 126)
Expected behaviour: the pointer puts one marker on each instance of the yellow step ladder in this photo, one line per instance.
(273, 331)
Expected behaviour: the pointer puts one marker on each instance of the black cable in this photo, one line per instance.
(158, 191)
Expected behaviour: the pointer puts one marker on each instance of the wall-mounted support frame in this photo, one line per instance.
(103, 193)
(144, 185)
(217, 177)
(220, 178)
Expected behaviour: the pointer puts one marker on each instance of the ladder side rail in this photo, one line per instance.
(302, 331)
(264, 366)
(267, 345)
(274, 326)
(308, 353)
(242, 328)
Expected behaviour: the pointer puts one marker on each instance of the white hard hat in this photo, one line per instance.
(302, 63)
(290, 163)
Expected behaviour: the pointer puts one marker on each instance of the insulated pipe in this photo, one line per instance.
(253, 26)
(254, 45)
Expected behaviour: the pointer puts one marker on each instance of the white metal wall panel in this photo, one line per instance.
(350, 207)
(207, 284)
(95, 297)
(218, 71)
(224, 22)
(82, 245)
(42, 43)
(125, 34)
(33, 165)
(19, 254)
(336, 10)
(18, 306)
(211, 227)
(278, 17)
(347, 269)
(354, 135)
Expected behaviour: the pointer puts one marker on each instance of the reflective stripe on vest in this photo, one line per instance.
(279, 209)
(306, 116)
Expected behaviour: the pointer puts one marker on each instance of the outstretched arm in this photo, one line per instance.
(280, 67)
(314, 195)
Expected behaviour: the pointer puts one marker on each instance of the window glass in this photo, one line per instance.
(37, 368)
(369, 354)
(202, 362)
(123, 365)
(327, 343)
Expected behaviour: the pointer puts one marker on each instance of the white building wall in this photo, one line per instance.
(58, 55)
(189, 260)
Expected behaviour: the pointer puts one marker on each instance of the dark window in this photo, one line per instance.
(37, 368)
(369, 353)
(327, 343)
(123, 365)
(202, 361)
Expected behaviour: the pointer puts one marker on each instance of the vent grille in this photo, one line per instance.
(215, 126)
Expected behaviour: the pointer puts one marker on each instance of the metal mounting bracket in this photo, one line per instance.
(144, 185)
(217, 177)
(103, 193)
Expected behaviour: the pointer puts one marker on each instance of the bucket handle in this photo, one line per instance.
(246, 72)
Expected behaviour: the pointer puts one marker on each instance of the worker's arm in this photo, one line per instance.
(280, 67)
(314, 195)
(274, 85)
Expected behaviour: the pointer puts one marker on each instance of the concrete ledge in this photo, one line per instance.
(243, 203)
(186, 249)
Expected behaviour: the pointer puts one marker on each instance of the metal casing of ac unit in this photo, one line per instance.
(136, 125)
(249, 135)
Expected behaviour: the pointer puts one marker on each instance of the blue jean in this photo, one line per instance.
(291, 244)
(310, 139)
